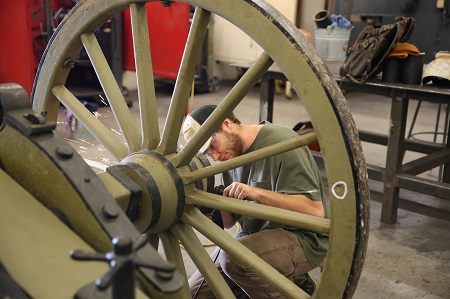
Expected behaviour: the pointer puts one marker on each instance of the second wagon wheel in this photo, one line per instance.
(170, 201)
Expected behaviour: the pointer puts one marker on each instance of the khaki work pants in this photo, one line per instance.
(278, 247)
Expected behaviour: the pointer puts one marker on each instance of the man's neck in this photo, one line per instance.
(248, 135)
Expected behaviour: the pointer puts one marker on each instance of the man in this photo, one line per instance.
(289, 181)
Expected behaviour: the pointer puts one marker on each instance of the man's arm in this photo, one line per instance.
(293, 202)
(227, 219)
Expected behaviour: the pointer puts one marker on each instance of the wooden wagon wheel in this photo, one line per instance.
(171, 199)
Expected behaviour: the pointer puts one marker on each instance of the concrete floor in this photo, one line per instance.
(408, 259)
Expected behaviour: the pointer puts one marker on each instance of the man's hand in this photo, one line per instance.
(241, 191)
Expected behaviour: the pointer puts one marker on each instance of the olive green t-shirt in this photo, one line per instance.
(293, 172)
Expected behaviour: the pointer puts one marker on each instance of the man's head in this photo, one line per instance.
(224, 143)
(193, 122)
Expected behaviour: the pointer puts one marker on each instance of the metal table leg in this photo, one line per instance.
(394, 158)
(267, 86)
(446, 140)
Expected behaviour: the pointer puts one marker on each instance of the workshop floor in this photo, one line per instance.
(408, 259)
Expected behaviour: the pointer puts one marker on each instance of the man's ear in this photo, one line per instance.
(226, 123)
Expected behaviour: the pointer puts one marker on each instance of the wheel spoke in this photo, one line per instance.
(241, 207)
(229, 103)
(184, 81)
(200, 258)
(153, 239)
(144, 75)
(112, 91)
(172, 252)
(246, 257)
(248, 158)
(90, 122)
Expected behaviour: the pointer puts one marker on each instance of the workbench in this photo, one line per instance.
(395, 175)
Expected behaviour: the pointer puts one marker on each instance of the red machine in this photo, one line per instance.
(168, 29)
(26, 27)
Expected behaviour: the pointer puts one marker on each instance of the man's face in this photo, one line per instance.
(225, 145)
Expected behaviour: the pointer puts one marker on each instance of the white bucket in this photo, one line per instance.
(332, 44)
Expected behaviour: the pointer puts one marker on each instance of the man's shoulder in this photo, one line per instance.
(276, 133)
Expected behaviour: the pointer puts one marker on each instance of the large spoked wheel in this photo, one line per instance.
(171, 182)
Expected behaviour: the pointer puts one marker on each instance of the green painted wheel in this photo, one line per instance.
(172, 198)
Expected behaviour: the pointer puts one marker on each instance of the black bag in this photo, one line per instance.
(371, 47)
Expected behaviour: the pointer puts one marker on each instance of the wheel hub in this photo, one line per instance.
(159, 180)
(157, 191)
